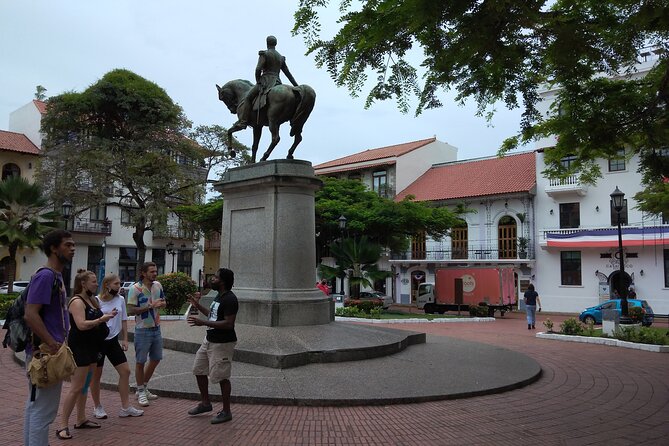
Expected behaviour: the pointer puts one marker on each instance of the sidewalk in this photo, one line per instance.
(587, 394)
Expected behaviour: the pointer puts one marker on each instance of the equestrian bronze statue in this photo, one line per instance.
(268, 102)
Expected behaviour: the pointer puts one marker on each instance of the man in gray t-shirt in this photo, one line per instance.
(47, 317)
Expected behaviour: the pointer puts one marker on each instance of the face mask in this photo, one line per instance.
(113, 292)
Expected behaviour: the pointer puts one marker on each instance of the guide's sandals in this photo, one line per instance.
(87, 424)
(63, 434)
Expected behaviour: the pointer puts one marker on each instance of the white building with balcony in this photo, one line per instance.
(104, 233)
(577, 263)
(499, 230)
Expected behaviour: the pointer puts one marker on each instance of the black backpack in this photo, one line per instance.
(18, 333)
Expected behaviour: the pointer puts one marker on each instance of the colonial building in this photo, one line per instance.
(102, 232)
(498, 229)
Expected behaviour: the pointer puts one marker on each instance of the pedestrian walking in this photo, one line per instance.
(145, 298)
(213, 360)
(531, 302)
(47, 317)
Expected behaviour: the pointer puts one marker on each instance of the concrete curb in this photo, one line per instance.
(605, 341)
(414, 321)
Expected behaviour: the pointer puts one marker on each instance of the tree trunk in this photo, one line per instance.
(138, 237)
(11, 267)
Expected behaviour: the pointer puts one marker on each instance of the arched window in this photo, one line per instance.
(506, 238)
(459, 242)
(10, 170)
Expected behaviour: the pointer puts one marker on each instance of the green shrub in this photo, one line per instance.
(5, 302)
(571, 326)
(478, 310)
(635, 313)
(352, 311)
(589, 328)
(641, 335)
(549, 325)
(177, 286)
(375, 313)
(365, 306)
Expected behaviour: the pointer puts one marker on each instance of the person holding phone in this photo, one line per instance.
(110, 300)
(213, 360)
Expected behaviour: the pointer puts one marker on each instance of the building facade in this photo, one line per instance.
(103, 234)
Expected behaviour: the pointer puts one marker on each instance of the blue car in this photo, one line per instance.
(594, 314)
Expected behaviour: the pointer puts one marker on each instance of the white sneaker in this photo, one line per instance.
(150, 396)
(99, 413)
(130, 412)
(142, 400)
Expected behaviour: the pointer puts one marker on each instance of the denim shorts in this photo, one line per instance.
(148, 343)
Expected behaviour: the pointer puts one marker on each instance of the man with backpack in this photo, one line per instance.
(47, 316)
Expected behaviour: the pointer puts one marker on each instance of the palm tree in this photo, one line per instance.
(356, 258)
(23, 220)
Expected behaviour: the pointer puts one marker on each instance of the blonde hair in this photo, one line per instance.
(104, 292)
(82, 276)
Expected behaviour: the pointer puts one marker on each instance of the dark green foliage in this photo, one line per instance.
(642, 335)
(177, 286)
(571, 326)
(6, 301)
(492, 51)
(478, 310)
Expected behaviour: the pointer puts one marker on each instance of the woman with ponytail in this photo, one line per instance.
(110, 300)
(88, 329)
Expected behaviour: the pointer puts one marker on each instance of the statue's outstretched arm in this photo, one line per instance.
(286, 71)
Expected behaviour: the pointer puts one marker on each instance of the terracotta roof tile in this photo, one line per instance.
(356, 167)
(463, 179)
(17, 142)
(375, 154)
(41, 106)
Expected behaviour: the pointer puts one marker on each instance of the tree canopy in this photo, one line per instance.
(122, 142)
(380, 219)
(509, 51)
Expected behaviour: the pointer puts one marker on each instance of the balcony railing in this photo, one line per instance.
(481, 253)
(85, 225)
(570, 184)
(174, 232)
(212, 241)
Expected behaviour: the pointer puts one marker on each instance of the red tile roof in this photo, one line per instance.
(463, 179)
(41, 106)
(17, 142)
(375, 154)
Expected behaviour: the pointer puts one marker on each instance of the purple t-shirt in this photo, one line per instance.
(52, 314)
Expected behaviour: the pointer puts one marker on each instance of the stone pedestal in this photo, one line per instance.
(268, 240)
(610, 322)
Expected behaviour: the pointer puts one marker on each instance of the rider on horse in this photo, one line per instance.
(270, 63)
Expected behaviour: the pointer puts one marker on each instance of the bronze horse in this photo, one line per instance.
(284, 103)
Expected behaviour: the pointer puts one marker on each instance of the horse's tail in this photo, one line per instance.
(304, 108)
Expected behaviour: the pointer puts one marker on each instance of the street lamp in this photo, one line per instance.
(342, 227)
(66, 211)
(171, 251)
(617, 198)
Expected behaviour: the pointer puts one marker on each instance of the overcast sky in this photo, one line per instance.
(188, 47)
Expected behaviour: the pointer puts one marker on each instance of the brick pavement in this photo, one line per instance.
(588, 394)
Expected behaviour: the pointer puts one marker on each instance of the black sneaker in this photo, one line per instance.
(200, 408)
(221, 417)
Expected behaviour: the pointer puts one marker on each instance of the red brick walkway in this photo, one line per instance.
(588, 394)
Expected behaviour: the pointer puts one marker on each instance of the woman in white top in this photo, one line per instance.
(109, 299)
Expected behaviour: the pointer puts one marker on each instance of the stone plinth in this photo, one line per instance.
(268, 240)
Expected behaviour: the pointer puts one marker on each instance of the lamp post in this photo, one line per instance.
(342, 227)
(617, 198)
(171, 251)
(66, 211)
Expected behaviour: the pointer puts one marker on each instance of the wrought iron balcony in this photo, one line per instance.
(480, 253)
(174, 232)
(85, 225)
(212, 241)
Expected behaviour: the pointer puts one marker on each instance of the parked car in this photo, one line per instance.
(19, 286)
(386, 300)
(125, 286)
(594, 314)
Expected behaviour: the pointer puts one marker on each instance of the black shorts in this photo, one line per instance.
(112, 350)
(85, 354)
